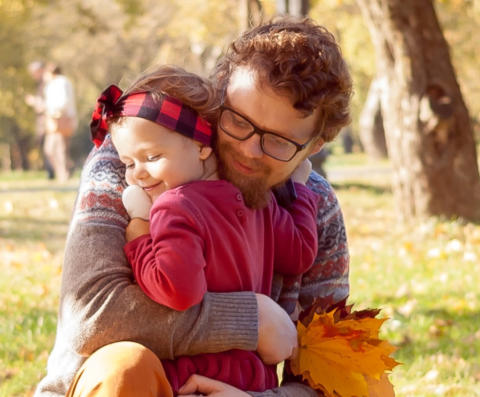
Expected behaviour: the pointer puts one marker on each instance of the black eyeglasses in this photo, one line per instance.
(273, 145)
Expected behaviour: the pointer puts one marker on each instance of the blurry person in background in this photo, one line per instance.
(60, 120)
(36, 69)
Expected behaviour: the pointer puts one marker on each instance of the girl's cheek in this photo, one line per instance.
(129, 177)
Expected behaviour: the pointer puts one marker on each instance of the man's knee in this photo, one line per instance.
(121, 369)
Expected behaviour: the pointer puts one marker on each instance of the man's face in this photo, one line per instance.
(243, 162)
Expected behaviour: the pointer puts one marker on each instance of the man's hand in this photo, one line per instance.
(302, 172)
(277, 335)
(198, 385)
(136, 228)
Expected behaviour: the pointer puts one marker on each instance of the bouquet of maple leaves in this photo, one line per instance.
(340, 353)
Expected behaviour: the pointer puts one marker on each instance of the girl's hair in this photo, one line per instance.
(189, 88)
(298, 58)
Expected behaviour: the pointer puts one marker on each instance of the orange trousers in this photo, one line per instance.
(122, 369)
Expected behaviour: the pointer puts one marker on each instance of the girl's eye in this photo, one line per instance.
(127, 166)
(154, 158)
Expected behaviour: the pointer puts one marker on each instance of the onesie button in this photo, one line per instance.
(239, 213)
(239, 196)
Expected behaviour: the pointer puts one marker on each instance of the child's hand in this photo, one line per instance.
(136, 228)
(136, 202)
(302, 172)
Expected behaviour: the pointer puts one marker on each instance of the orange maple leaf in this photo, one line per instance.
(341, 354)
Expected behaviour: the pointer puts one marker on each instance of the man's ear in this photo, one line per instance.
(316, 146)
(205, 152)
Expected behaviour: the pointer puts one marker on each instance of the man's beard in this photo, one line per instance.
(255, 191)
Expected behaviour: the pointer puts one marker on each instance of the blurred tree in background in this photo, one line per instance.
(370, 123)
(427, 125)
(16, 120)
(98, 43)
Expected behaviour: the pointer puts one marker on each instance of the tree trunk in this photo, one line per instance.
(253, 14)
(5, 160)
(298, 8)
(428, 129)
(372, 133)
(282, 7)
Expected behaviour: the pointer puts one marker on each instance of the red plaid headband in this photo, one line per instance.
(168, 112)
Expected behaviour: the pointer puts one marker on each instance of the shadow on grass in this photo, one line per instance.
(35, 221)
(37, 189)
(450, 333)
(32, 229)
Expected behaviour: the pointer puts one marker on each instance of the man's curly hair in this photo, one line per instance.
(298, 58)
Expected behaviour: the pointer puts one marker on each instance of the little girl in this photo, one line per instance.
(201, 236)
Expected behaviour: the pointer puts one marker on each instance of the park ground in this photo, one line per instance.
(424, 276)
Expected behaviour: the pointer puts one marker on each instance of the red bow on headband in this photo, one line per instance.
(167, 111)
(107, 105)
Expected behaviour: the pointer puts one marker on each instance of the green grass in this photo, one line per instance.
(33, 226)
(424, 276)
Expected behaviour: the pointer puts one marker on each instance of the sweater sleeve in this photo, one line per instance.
(169, 263)
(330, 270)
(295, 233)
(101, 303)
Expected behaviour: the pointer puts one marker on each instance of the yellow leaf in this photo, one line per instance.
(380, 388)
(329, 371)
(340, 353)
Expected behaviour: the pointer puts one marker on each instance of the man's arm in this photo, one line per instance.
(329, 273)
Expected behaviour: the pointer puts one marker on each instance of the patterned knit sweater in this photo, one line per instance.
(101, 304)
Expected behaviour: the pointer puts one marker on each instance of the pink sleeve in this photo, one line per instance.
(296, 240)
(168, 264)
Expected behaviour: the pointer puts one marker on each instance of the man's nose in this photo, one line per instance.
(251, 147)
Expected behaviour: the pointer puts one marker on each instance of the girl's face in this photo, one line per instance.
(156, 158)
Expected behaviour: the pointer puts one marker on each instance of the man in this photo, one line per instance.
(286, 91)
(37, 102)
(61, 120)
